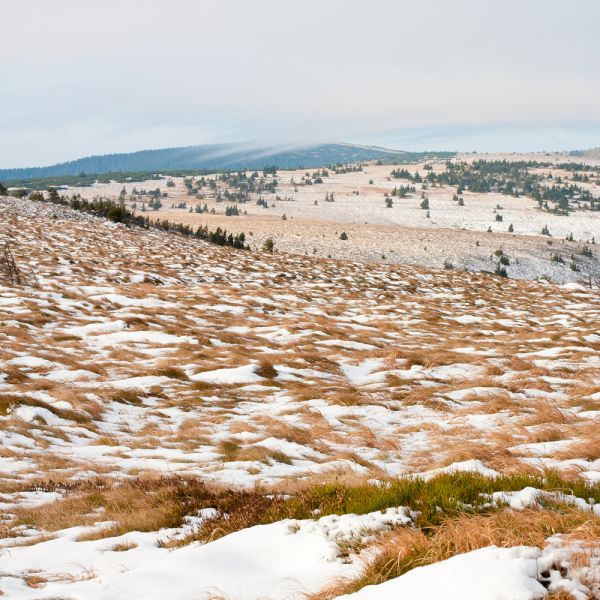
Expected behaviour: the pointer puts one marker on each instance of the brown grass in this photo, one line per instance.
(172, 373)
(124, 546)
(406, 548)
(266, 369)
(588, 449)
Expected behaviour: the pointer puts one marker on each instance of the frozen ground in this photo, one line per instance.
(288, 560)
(142, 354)
(402, 234)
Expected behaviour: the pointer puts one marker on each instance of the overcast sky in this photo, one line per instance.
(81, 77)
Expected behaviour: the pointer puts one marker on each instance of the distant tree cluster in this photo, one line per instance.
(341, 169)
(511, 178)
(403, 191)
(311, 178)
(232, 211)
(117, 213)
(405, 174)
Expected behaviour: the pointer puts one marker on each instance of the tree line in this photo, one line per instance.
(118, 213)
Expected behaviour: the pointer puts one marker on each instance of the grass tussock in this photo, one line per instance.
(588, 449)
(133, 397)
(407, 548)
(172, 373)
(152, 504)
(232, 451)
(266, 369)
(544, 411)
(124, 546)
(9, 402)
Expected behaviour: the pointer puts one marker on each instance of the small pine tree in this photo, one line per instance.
(573, 265)
(425, 204)
(269, 245)
(344, 236)
(545, 230)
(501, 271)
(36, 196)
(511, 228)
(53, 195)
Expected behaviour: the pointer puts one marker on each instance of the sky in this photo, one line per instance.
(83, 77)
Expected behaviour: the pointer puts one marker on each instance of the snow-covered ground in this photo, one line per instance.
(285, 560)
(152, 338)
(142, 354)
(404, 233)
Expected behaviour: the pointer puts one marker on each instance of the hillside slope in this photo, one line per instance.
(293, 340)
(149, 382)
(210, 156)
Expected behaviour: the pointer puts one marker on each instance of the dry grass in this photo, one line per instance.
(560, 595)
(172, 372)
(493, 403)
(232, 451)
(406, 548)
(588, 449)
(546, 433)
(124, 546)
(403, 421)
(545, 412)
(266, 369)
(8, 402)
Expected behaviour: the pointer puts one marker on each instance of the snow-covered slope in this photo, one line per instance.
(141, 354)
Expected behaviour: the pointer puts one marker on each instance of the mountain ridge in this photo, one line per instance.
(209, 156)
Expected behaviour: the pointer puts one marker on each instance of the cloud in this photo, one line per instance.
(116, 75)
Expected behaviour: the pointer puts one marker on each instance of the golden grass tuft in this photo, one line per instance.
(266, 369)
(124, 546)
(406, 548)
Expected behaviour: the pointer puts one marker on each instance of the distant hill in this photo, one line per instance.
(210, 156)
(593, 153)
